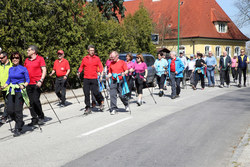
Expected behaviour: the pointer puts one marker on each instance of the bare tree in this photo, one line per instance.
(164, 28)
(244, 12)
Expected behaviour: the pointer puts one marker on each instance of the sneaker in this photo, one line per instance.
(40, 121)
(239, 85)
(245, 85)
(194, 88)
(17, 132)
(87, 111)
(173, 97)
(113, 112)
(101, 107)
(127, 108)
(139, 102)
(221, 86)
(177, 96)
(161, 93)
(34, 121)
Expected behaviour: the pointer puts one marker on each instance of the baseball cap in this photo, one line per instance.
(191, 55)
(60, 52)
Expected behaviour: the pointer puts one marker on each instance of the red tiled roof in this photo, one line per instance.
(196, 17)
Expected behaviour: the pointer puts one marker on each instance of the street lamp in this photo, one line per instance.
(178, 28)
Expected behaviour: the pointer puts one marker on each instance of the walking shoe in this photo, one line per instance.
(34, 121)
(173, 97)
(139, 102)
(239, 85)
(161, 93)
(228, 86)
(87, 111)
(194, 88)
(113, 112)
(40, 121)
(101, 107)
(245, 85)
(127, 108)
(17, 132)
(177, 96)
(221, 86)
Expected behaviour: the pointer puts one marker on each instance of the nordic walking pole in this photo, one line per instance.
(51, 106)
(150, 93)
(73, 92)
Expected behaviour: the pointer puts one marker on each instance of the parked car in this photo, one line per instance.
(149, 60)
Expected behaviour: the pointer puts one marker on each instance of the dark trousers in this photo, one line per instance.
(91, 85)
(60, 88)
(34, 93)
(191, 76)
(175, 84)
(234, 73)
(224, 77)
(15, 109)
(244, 71)
(201, 76)
(130, 82)
(5, 114)
(139, 85)
(161, 80)
(114, 89)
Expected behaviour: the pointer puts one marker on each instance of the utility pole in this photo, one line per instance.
(178, 27)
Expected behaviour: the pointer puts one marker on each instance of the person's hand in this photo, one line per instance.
(78, 74)
(123, 73)
(108, 76)
(39, 84)
(176, 72)
(1, 87)
(213, 65)
(100, 79)
(50, 74)
(21, 87)
(131, 70)
(65, 77)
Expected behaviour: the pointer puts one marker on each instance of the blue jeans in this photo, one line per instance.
(210, 75)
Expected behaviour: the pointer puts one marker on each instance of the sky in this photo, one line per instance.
(230, 9)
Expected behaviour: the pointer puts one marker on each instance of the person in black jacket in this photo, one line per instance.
(224, 67)
(242, 62)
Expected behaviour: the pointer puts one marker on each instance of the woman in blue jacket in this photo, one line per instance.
(175, 69)
(16, 94)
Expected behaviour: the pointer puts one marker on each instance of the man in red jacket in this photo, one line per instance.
(92, 68)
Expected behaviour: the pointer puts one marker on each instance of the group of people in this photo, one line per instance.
(21, 82)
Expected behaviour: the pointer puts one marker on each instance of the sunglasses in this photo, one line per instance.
(2, 57)
(138, 57)
(16, 58)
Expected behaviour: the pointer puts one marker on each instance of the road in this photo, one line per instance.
(201, 128)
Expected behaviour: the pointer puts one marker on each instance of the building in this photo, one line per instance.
(204, 26)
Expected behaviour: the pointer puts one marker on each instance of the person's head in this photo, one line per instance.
(181, 54)
(32, 50)
(91, 50)
(199, 55)
(191, 57)
(160, 55)
(139, 58)
(114, 56)
(3, 57)
(60, 54)
(173, 54)
(242, 51)
(235, 56)
(224, 53)
(210, 54)
(16, 58)
(129, 57)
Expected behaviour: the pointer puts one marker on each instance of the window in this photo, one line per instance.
(207, 49)
(218, 51)
(221, 27)
(237, 50)
(228, 49)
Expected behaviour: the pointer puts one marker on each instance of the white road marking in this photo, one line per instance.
(103, 127)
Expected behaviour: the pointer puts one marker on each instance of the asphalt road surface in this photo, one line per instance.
(202, 135)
